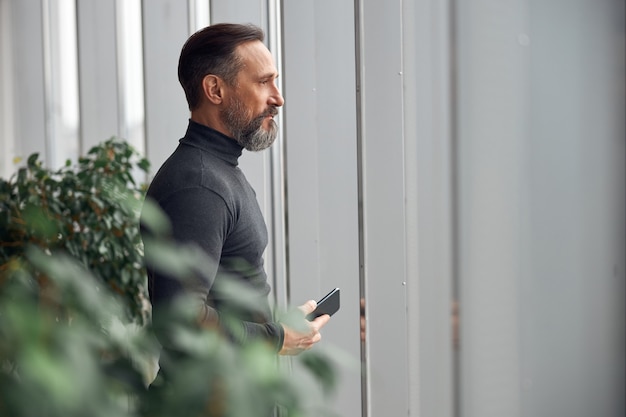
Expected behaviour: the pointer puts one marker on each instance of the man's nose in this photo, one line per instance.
(276, 99)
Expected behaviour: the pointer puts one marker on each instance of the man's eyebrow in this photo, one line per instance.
(273, 75)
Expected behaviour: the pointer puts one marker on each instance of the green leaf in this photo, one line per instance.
(39, 222)
(32, 160)
(144, 164)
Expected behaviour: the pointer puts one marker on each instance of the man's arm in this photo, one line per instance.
(201, 217)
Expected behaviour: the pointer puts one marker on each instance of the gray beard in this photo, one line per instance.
(250, 135)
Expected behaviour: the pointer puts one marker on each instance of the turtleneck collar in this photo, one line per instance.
(220, 145)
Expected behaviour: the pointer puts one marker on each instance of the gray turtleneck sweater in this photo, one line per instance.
(210, 204)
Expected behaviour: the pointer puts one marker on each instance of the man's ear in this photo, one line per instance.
(212, 86)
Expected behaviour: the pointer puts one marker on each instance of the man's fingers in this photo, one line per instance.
(308, 307)
(320, 321)
(316, 338)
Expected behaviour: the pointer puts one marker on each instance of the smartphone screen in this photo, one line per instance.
(329, 304)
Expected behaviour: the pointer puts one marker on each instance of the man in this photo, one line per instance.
(229, 79)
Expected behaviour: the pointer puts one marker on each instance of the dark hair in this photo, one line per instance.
(212, 51)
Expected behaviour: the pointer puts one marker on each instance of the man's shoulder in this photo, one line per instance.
(189, 169)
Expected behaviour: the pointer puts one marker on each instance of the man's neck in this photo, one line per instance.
(210, 120)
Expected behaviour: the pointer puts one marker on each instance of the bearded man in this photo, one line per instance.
(229, 79)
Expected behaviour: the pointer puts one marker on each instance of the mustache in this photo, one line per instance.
(271, 111)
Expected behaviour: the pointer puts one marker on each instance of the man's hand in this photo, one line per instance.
(297, 341)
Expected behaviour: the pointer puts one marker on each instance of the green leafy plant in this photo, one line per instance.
(90, 211)
(53, 365)
(74, 337)
(95, 364)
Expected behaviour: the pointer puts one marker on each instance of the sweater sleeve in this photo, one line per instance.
(201, 217)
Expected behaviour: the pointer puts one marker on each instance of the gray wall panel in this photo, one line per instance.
(165, 25)
(492, 202)
(574, 333)
(241, 11)
(300, 80)
(385, 256)
(429, 205)
(321, 162)
(97, 69)
(30, 121)
(7, 140)
(541, 208)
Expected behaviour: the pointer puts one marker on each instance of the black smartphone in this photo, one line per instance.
(329, 304)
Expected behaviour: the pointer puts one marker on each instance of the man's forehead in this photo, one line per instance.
(257, 59)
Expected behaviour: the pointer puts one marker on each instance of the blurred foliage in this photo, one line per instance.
(90, 211)
(73, 341)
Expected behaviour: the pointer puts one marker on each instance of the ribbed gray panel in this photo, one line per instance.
(61, 81)
(321, 163)
(541, 207)
(165, 25)
(130, 73)
(28, 66)
(428, 161)
(98, 77)
(7, 83)
(384, 211)
(199, 14)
